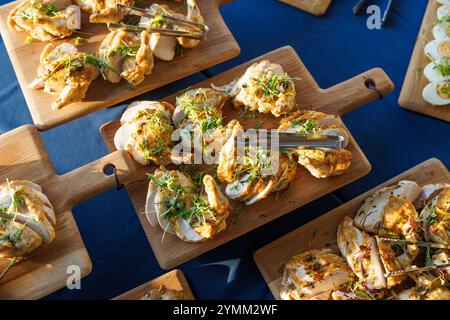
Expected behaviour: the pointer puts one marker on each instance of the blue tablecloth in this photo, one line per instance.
(334, 47)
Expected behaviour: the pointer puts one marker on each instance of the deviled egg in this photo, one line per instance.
(438, 70)
(438, 49)
(443, 12)
(437, 93)
(441, 31)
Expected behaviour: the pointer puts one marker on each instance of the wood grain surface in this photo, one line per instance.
(220, 46)
(174, 280)
(321, 232)
(414, 83)
(337, 100)
(24, 157)
(315, 7)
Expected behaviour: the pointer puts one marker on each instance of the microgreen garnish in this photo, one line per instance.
(271, 87)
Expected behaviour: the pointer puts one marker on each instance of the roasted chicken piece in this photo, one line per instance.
(371, 216)
(436, 216)
(361, 253)
(104, 11)
(264, 87)
(165, 47)
(252, 173)
(27, 220)
(321, 163)
(313, 275)
(146, 132)
(193, 213)
(66, 73)
(129, 55)
(198, 114)
(45, 20)
(162, 293)
(428, 287)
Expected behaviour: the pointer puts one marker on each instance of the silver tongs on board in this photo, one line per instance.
(201, 34)
(287, 140)
(420, 244)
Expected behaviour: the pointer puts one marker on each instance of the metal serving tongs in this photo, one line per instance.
(420, 244)
(201, 35)
(287, 140)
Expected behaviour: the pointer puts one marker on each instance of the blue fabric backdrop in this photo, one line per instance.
(334, 47)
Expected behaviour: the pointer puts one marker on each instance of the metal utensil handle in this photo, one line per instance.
(166, 32)
(419, 243)
(149, 14)
(416, 270)
(293, 140)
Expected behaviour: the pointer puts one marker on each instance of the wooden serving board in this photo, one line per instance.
(337, 100)
(321, 232)
(24, 157)
(411, 94)
(174, 280)
(219, 47)
(315, 7)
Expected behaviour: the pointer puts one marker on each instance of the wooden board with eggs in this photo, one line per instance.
(426, 88)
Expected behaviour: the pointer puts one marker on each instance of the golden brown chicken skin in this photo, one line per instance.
(321, 163)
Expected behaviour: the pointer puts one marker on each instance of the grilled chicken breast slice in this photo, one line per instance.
(312, 273)
(44, 20)
(361, 252)
(369, 216)
(104, 11)
(66, 73)
(321, 163)
(436, 217)
(162, 293)
(146, 132)
(193, 213)
(264, 87)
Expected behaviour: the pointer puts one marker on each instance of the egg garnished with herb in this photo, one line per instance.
(443, 11)
(437, 93)
(438, 49)
(441, 31)
(437, 70)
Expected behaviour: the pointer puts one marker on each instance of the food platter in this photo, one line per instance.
(173, 280)
(315, 7)
(337, 100)
(414, 83)
(219, 47)
(321, 232)
(23, 157)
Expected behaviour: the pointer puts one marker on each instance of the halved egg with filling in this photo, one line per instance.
(443, 12)
(437, 93)
(441, 31)
(438, 70)
(445, 2)
(438, 49)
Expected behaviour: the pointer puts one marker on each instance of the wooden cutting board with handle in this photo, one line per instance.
(315, 7)
(24, 157)
(173, 280)
(337, 100)
(219, 47)
(411, 94)
(321, 232)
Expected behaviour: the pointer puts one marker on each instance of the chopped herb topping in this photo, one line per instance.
(271, 87)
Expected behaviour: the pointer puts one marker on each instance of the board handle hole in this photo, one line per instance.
(370, 84)
(109, 170)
